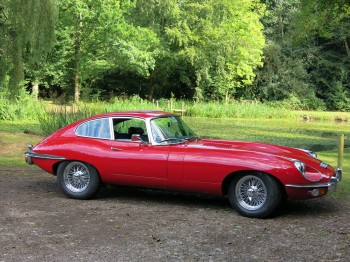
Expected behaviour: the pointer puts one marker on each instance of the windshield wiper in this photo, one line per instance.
(180, 140)
(191, 138)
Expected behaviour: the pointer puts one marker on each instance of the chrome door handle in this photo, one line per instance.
(115, 149)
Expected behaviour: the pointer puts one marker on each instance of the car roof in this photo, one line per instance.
(139, 113)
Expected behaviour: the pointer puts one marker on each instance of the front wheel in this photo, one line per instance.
(78, 180)
(255, 194)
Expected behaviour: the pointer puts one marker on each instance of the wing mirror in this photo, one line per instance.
(137, 138)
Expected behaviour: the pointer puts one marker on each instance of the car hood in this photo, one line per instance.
(281, 151)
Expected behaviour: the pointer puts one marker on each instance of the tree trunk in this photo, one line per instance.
(151, 87)
(35, 89)
(77, 47)
(347, 47)
(226, 96)
(16, 73)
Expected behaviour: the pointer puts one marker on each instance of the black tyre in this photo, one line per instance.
(255, 194)
(78, 180)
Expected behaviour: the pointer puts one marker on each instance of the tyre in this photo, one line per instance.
(78, 180)
(255, 194)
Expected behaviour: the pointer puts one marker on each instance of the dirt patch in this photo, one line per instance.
(38, 223)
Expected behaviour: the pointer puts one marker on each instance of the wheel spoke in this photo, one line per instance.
(76, 177)
(251, 192)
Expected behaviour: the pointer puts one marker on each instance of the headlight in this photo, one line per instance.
(300, 166)
(312, 174)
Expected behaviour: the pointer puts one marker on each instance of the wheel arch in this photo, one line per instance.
(226, 182)
(56, 165)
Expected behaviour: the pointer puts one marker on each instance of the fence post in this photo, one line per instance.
(341, 151)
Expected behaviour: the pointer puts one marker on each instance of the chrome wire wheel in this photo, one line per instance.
(76, 177)
(251, 192)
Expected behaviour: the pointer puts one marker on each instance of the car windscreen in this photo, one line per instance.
(171, 128)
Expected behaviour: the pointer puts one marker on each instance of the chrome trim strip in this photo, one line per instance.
(338, 175)
(30, 154)
(329, 184)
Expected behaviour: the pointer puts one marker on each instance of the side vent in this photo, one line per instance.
(218, 145)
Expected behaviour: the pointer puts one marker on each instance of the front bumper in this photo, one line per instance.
(330, 185)
(29, 155)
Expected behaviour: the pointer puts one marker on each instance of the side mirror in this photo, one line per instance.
(137, 138)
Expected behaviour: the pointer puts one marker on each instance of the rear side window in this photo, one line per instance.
(98, 128)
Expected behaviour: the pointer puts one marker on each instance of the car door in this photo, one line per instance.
(136, 162)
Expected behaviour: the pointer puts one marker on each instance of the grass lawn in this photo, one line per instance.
(315, 136)
(321, 137)
(14, 142)
(343, 189)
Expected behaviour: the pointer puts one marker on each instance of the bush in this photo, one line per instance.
(235, 109)
(52, 120)
(295, 103)
(24, 107)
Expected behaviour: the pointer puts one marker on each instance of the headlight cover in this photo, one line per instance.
(312, 174)
(300, 166)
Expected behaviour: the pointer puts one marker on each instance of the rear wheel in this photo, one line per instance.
(255, 194)
(78, 180)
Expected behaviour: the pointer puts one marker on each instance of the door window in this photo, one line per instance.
(124, 128)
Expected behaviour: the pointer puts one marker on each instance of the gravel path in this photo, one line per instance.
(38, 223)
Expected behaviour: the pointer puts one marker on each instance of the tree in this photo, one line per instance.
(26, 36)
(323, 29)
(214, 46)
(94, 39)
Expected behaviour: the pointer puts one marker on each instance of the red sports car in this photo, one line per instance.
(158, 150)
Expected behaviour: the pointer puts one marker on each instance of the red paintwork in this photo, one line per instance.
(198, 166)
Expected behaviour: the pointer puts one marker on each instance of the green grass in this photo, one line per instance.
(13, 141)
(320, 115)
(236, 110)
(316, 136)
(19, 126)
(343, 188)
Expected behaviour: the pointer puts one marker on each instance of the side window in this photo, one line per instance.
(98, 128)
(124, 128)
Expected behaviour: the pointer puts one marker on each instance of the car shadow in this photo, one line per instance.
(325, 206)
(162, 197)
(312, 207)
(303, 208)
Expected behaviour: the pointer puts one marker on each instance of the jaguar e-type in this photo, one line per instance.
(155, 149)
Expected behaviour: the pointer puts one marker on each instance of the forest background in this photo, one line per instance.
(294, 52)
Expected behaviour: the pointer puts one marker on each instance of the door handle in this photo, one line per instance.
(116, 149)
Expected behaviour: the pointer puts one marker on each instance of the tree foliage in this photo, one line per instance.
(94, 39)
(26, 36)
(306, 53)
(268, 50)
(212, 46)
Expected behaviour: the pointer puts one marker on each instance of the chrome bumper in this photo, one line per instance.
(29, 155)
(331, 184)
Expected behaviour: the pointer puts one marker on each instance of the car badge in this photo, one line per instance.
(324, 165)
